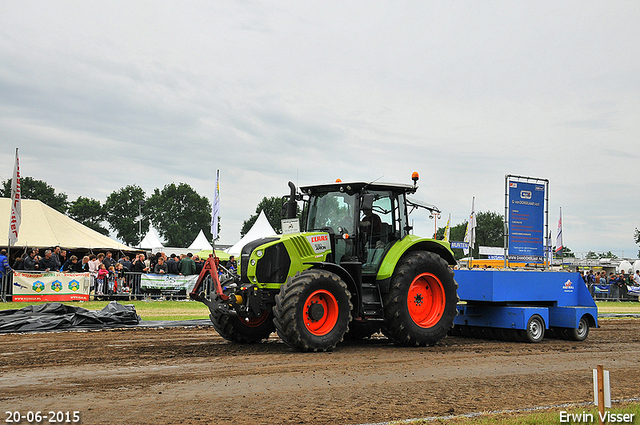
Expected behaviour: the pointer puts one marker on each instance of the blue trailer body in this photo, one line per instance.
(508, 299)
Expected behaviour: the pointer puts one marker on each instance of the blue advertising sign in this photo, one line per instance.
(526, 222)
(460, 245)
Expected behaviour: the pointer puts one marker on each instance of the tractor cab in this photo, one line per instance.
(362, 219)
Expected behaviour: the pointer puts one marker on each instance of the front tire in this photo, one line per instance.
(422, 301)
(313, 311)
(534, 332)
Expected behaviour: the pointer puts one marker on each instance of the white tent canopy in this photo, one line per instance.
(260, 229)
(151, 240)
(200, 243)
(43, 227)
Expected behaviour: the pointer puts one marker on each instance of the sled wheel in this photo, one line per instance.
(235, 329)
(535, 329)
(313, 310)
(581, 333)
(422, 300)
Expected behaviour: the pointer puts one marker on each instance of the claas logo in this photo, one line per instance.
(525, 194)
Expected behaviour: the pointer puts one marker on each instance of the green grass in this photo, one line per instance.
(147, 310)
(629, 307)
(551, 416)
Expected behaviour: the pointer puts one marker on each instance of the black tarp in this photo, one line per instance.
(57, 316)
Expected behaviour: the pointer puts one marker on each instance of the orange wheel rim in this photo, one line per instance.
(320, 312)
(426, 300)
(254, 322)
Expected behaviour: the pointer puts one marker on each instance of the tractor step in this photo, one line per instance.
(371, 301)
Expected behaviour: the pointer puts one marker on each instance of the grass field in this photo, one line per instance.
(191, 310)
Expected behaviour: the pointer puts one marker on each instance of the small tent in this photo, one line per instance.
(260, 229)
(200, 243)
(42, 226)
(151, 241)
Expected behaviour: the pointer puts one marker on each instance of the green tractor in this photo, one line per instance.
(352, 271)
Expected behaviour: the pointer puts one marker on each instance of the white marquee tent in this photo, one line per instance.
(260, 229)
(42, 227)
(200, 243)
(151, 240)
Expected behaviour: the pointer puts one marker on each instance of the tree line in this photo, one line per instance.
(176, 211)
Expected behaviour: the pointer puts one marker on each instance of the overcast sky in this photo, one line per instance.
(99, 95)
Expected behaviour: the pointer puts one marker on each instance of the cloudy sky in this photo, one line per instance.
(99, 95)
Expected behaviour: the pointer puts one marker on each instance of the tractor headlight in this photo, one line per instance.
(253, 262)
(259, 253)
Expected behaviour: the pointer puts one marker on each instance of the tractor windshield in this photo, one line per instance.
(332, 212)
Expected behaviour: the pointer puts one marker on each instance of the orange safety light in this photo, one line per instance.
(338, 181)
(415, 176)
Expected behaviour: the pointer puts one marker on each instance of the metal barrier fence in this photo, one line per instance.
(127, 286)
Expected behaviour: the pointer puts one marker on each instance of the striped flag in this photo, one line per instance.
(16, 208)
(215, 208)
(559, 236)
(447, 230)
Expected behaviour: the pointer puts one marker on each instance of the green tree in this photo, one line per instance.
(566, 253)
(636, 237)
(179, 213)
(272, 208)
(89, 212)
(489, 231)
(31, 188)
(608, 254)
(591, 255)
(121, 212)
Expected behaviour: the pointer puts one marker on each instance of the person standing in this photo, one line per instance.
(108, 260)
(49, 263)
(4, 264)
(187, 266)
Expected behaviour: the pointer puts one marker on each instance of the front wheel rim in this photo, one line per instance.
(320, 312)
(426, 300)
(536, 329)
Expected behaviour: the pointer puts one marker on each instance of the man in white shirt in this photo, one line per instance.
(636, 278)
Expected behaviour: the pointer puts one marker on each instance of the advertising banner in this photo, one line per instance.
(51, 287)
(168, 283)
(526, 222)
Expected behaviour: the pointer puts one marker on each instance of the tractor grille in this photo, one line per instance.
(246, 253)
(274, 265)
(302, 246)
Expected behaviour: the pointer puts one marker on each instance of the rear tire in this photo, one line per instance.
(313, 310)
(422, 301)
(235, 329)
(581, 333)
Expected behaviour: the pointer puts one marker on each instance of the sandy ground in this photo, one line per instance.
(192, 376)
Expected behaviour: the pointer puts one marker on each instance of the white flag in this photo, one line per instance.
(16, 209)
(470, 233)
(559, 237)
(215, 208)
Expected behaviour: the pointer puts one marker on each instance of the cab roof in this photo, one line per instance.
(354, 187)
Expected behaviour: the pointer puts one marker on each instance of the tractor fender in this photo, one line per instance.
(413, 243)
(353, 285)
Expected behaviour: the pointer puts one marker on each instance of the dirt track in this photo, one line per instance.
(192, 376)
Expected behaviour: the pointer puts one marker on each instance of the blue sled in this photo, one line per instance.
(524, 305)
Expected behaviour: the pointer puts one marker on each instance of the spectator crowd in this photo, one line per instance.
(108, 275)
